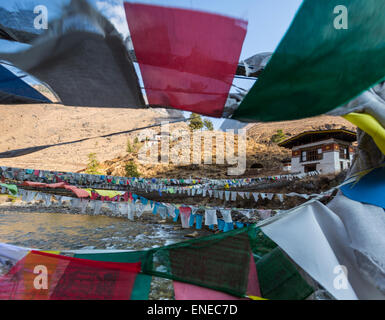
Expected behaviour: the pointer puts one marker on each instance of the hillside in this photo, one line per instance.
(263, 156)
(262, 132)
(23, 126)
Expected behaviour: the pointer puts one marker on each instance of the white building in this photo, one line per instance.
(325, 151)
(286, 165)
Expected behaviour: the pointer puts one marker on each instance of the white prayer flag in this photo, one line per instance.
(226, 214)
(210, 217)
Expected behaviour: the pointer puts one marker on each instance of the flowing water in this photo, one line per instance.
(55, 229)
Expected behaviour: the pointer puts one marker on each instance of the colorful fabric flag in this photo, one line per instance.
(11, 254)
(186, 291)
(106, 193)
(220, 262)
(91, 67)
(192, 220)
(319, 241)
(332, 52)
(211, 217)
(142, 285)
(221, 224)
(199, 219)
(239, 224)
(369, 188)
(226, 214)
(81, 193)
(11, 187)
(187, 58)
(228, 226)
(279, 280)
(14, 90)
(185, 213)
(45, 276)
(176, 215)
(370, 125)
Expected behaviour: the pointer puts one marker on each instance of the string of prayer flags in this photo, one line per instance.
(233, 265)
(97, 181)
(77, 191)
(66, 278)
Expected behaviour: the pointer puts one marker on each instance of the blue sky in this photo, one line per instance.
(268, 20)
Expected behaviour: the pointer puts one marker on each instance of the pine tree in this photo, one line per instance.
(196, 122)
(208, 124)
(278, 137)
(92, 165)
(131, 169)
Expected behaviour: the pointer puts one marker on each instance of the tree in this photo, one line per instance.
(278, 137)
(196, 122)
(208, 124)
(131, 148)
(131, 169)
(93, 164)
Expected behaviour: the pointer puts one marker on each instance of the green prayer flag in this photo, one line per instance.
(220, 262)
(333, 51)
(279, 279)
(11, 187)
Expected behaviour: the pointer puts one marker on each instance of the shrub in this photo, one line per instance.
(208, 124)
(278, 137)
(93, 164)
(133, 147)
(131, 169)
(130, 147)
(196, 122)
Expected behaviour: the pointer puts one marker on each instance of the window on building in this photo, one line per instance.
(311, 155)
(310, 168)
(303, 156)
(344, 152)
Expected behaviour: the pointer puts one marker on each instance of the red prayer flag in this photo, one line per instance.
(77, 191)
(187, 58)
